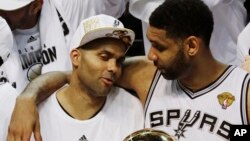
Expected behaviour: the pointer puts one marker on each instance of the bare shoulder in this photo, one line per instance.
(137, 75)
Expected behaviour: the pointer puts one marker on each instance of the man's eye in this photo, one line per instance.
(104, 57)
(159, 48)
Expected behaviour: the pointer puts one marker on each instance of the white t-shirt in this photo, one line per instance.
(29, 50)
(229, 20)
(243, 44)
(121, 115)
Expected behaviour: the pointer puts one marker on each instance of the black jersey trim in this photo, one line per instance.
(151, 91)
(244, 96)
(209, 87)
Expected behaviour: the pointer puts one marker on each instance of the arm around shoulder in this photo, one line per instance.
(137, 75)
(44, 85)
(25, 118)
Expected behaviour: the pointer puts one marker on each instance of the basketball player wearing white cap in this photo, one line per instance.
(90, 108)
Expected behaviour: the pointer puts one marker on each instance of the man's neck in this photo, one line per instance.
(204, 75)
(78, 104)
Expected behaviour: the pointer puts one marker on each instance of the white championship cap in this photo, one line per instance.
(10, 5)
(101, 26)
(6, 41)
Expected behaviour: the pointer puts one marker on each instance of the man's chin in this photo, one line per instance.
(105, 92)
(169, 76)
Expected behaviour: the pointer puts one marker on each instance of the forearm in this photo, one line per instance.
(44, 85)
(25, 118)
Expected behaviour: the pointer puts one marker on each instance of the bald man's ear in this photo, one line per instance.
(192, 45)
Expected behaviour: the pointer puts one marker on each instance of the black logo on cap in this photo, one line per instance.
(116, 23)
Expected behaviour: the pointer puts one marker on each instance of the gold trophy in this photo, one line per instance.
(148, 134)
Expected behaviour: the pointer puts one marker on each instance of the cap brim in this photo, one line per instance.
(112, 32)
(13, 5)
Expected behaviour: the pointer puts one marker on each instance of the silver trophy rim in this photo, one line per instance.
(148, 131)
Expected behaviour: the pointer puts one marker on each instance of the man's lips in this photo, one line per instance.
(107, 81)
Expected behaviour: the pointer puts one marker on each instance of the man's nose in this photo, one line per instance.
(151, 54)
